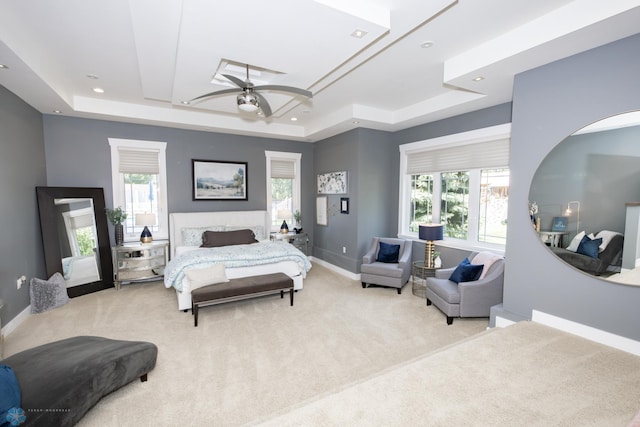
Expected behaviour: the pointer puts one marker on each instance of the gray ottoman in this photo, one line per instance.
(60, 381)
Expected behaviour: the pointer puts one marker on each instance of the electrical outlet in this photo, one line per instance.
(21, 280)
(344, 249)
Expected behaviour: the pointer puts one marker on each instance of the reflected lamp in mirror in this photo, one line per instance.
(430, 233)
(569, 212)
(145, 220)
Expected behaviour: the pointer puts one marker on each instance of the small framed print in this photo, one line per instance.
(321, 210)
(344, 205)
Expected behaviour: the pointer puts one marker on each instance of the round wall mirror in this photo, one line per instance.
(584, 199)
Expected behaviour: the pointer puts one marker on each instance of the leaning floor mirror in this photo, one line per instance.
(75, 237)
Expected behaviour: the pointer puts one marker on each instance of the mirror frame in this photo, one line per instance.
(48, 226)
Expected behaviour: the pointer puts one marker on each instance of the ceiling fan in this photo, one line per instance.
(249, 99)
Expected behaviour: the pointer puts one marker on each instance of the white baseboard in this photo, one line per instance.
(16, 321)
(584, 331)
(338, 270)
(502, 322)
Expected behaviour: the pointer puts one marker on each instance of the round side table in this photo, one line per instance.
(419, 271)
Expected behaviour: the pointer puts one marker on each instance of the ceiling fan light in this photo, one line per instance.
(248, 102)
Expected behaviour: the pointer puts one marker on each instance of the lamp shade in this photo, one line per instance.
(143, 219)
(431, 232)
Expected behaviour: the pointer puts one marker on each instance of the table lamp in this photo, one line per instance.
(430, 233)
(144, 220)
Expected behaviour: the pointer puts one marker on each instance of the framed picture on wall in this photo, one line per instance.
(344, 205)
(332, 183)
(321, 210)
(219, 180)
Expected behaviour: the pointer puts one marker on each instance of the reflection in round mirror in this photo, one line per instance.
(584, 199)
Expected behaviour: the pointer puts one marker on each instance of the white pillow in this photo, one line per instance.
(192, 236)
(487, 259)
(606, 236)
(575, 242)
(199, 277)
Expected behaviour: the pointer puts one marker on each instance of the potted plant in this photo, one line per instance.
(117, 216)
(297, 217)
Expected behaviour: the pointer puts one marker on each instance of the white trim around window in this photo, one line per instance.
(492, 136)
(285, 157)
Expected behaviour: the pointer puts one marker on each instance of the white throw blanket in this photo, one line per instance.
(234, 256)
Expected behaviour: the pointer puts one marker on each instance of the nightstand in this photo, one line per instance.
(419, 270)
(299, 240)
(134, 262)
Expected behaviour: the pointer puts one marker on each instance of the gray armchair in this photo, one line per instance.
(390, 274)
(466, 299)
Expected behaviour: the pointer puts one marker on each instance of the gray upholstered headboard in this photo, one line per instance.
(178, 221)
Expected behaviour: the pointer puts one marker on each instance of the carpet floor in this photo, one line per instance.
(252, 360)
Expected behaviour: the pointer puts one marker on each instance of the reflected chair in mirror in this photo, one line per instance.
(387, 263)
(467, 297)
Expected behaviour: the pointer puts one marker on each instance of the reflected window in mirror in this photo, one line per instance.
(585, 189)
(75, 237)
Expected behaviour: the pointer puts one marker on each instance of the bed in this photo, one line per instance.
(264, 257)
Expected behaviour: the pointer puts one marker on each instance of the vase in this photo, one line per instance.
(119, 229)
(437, 262)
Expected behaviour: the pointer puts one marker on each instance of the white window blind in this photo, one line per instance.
(82, 221)
(283, 169)
(482, 155)
(138, 161)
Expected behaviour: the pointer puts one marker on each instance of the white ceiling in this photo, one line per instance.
(151, 55)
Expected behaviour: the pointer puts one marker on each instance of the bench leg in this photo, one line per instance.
(281, 294)
(195, 315)
(143, 378)
(291, 293)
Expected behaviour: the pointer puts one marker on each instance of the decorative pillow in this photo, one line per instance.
(589, 247)
(192, 236)
(9, 395)
(199, 277)
(388, 252)
(466, 272)
(575, 242)
(48, 294)
(606, 237)
(487, 259)
(214, 239)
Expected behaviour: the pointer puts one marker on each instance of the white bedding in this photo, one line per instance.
(181, 229)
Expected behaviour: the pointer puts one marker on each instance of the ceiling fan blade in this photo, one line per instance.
(216, 93)
(280, 88)
(237, 81)
(264, 105)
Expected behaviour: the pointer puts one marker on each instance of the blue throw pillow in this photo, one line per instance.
(589, 247)
(9, 392)
(466, 272)
(388, 253)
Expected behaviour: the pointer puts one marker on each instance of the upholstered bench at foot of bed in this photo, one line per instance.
(60, 381)
(241, 288)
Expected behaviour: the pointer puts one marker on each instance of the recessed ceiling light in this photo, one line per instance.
(294, 119)
(185, 102)
(426, 45)
(355, 122)
(478, 79)
(57, 111)
(92, 77)
(359, 33)
(98, 90)
(6, 67)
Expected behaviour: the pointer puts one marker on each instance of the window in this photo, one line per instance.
(461, 181)
(283, 187)
(138, 170)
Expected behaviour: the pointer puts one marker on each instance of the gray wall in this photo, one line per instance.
(78, 155)
(22, 168)
(550, 103)
(371, 161)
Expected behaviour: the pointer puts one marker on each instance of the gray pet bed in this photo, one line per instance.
(62, 380)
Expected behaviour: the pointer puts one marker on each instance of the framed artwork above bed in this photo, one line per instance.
(219, 180)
